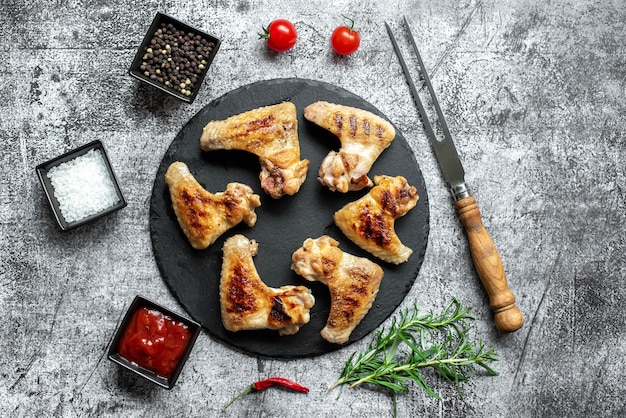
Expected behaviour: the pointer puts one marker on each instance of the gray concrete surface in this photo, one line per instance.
(534, 95)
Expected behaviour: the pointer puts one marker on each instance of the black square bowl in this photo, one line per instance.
(42, 173)
(169, 57)
(114, 355)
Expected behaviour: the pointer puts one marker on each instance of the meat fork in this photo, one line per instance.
(507, 315)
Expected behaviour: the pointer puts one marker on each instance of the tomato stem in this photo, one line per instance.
(265, 34)
(351, 27)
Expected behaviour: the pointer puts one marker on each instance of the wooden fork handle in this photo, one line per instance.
(507, 315)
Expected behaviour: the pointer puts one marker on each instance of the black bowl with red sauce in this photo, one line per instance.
(153, 342)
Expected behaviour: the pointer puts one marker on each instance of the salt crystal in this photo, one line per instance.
(83, 186)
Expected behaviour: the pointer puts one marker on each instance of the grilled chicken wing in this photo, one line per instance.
(353, 283)
(248, 304)
(363, 137)
(269, 132)
(369, 221)
(204, 216)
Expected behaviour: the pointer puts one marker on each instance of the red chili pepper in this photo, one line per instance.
(279, 381)
(264, 384)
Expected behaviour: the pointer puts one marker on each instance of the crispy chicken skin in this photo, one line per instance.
(363, 135)
(269, 132)
(353, 283)
(369, 221)
(249, 304)
(204, 216)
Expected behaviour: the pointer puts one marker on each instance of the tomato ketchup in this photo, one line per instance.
(154, 341)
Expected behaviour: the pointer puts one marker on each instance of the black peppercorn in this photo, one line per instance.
(175, 58)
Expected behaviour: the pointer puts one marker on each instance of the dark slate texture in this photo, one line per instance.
(534, 93)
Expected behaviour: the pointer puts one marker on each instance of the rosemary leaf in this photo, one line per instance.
(415, 342)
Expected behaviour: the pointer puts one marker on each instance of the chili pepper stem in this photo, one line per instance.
(249, 389)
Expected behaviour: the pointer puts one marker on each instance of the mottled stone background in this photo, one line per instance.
(534, 95)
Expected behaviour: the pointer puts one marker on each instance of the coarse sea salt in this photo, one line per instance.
(83, 186)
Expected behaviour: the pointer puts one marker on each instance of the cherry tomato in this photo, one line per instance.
(281, 35)
(345, 40)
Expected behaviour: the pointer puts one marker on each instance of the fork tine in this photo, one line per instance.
(441, 120)
(416, 98)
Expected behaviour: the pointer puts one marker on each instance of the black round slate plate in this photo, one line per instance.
(193, 276)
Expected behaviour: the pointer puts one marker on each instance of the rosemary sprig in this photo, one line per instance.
(415, 342)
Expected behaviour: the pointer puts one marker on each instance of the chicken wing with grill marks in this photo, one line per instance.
(204, 216)
(363, 135)
(248, 304)
(269, 132)
(369, 222)
(353, 283)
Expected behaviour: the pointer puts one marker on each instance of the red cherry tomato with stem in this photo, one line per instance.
(345, 40)
(281, 35)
